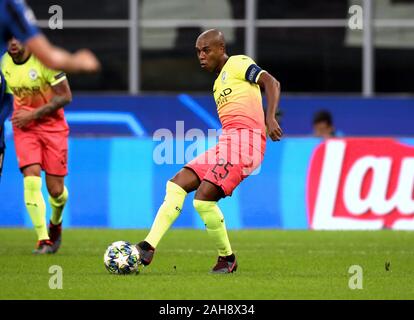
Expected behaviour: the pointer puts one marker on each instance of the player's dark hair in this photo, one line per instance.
(323, 116)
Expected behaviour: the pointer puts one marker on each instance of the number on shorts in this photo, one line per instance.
(221, 164)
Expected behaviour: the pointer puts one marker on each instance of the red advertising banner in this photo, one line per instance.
(361, 183)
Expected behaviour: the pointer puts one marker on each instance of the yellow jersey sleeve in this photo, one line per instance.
(53, 77)
(245, 68)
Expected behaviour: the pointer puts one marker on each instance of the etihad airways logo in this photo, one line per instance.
(223, 97)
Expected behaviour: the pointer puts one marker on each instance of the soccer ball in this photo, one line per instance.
(121, 257)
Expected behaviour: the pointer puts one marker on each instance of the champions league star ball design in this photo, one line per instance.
(121, 257)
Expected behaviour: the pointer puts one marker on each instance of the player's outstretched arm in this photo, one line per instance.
(272, 90)
(62, 96)
(59, 59)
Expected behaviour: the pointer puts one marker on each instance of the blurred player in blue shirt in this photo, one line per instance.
(18, 20)
(6, 105)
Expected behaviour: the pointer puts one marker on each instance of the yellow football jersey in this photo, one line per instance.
(237, 94)
(31, 84)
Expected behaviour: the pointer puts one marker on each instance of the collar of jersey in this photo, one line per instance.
(223, 68)
(23, 62)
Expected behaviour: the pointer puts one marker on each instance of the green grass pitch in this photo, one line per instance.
(273, 264)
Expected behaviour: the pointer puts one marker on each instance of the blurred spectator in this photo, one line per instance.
(323, 125)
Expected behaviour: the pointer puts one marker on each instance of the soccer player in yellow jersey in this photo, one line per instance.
(240, 150)
(40, 136)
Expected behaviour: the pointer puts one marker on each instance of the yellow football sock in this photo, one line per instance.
(57, 205)
(214, 221)
(35, 205)
(167, 213)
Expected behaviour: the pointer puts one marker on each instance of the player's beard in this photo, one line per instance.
(17, 56)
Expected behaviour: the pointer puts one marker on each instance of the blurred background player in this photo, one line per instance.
(41, 137)
(17, 20)
(6, 106)
(323, 125)
(216, 173)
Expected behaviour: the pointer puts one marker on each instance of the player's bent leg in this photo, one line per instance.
(167, 213)
(208, 191)
(184, 182)
(55, 185)
(205, 203)
(58, 195)
(176, 191)
(186, 179)
(31, 170)
(36, 207)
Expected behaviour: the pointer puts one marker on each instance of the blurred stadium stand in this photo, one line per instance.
(309, 60)
(322, 64)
